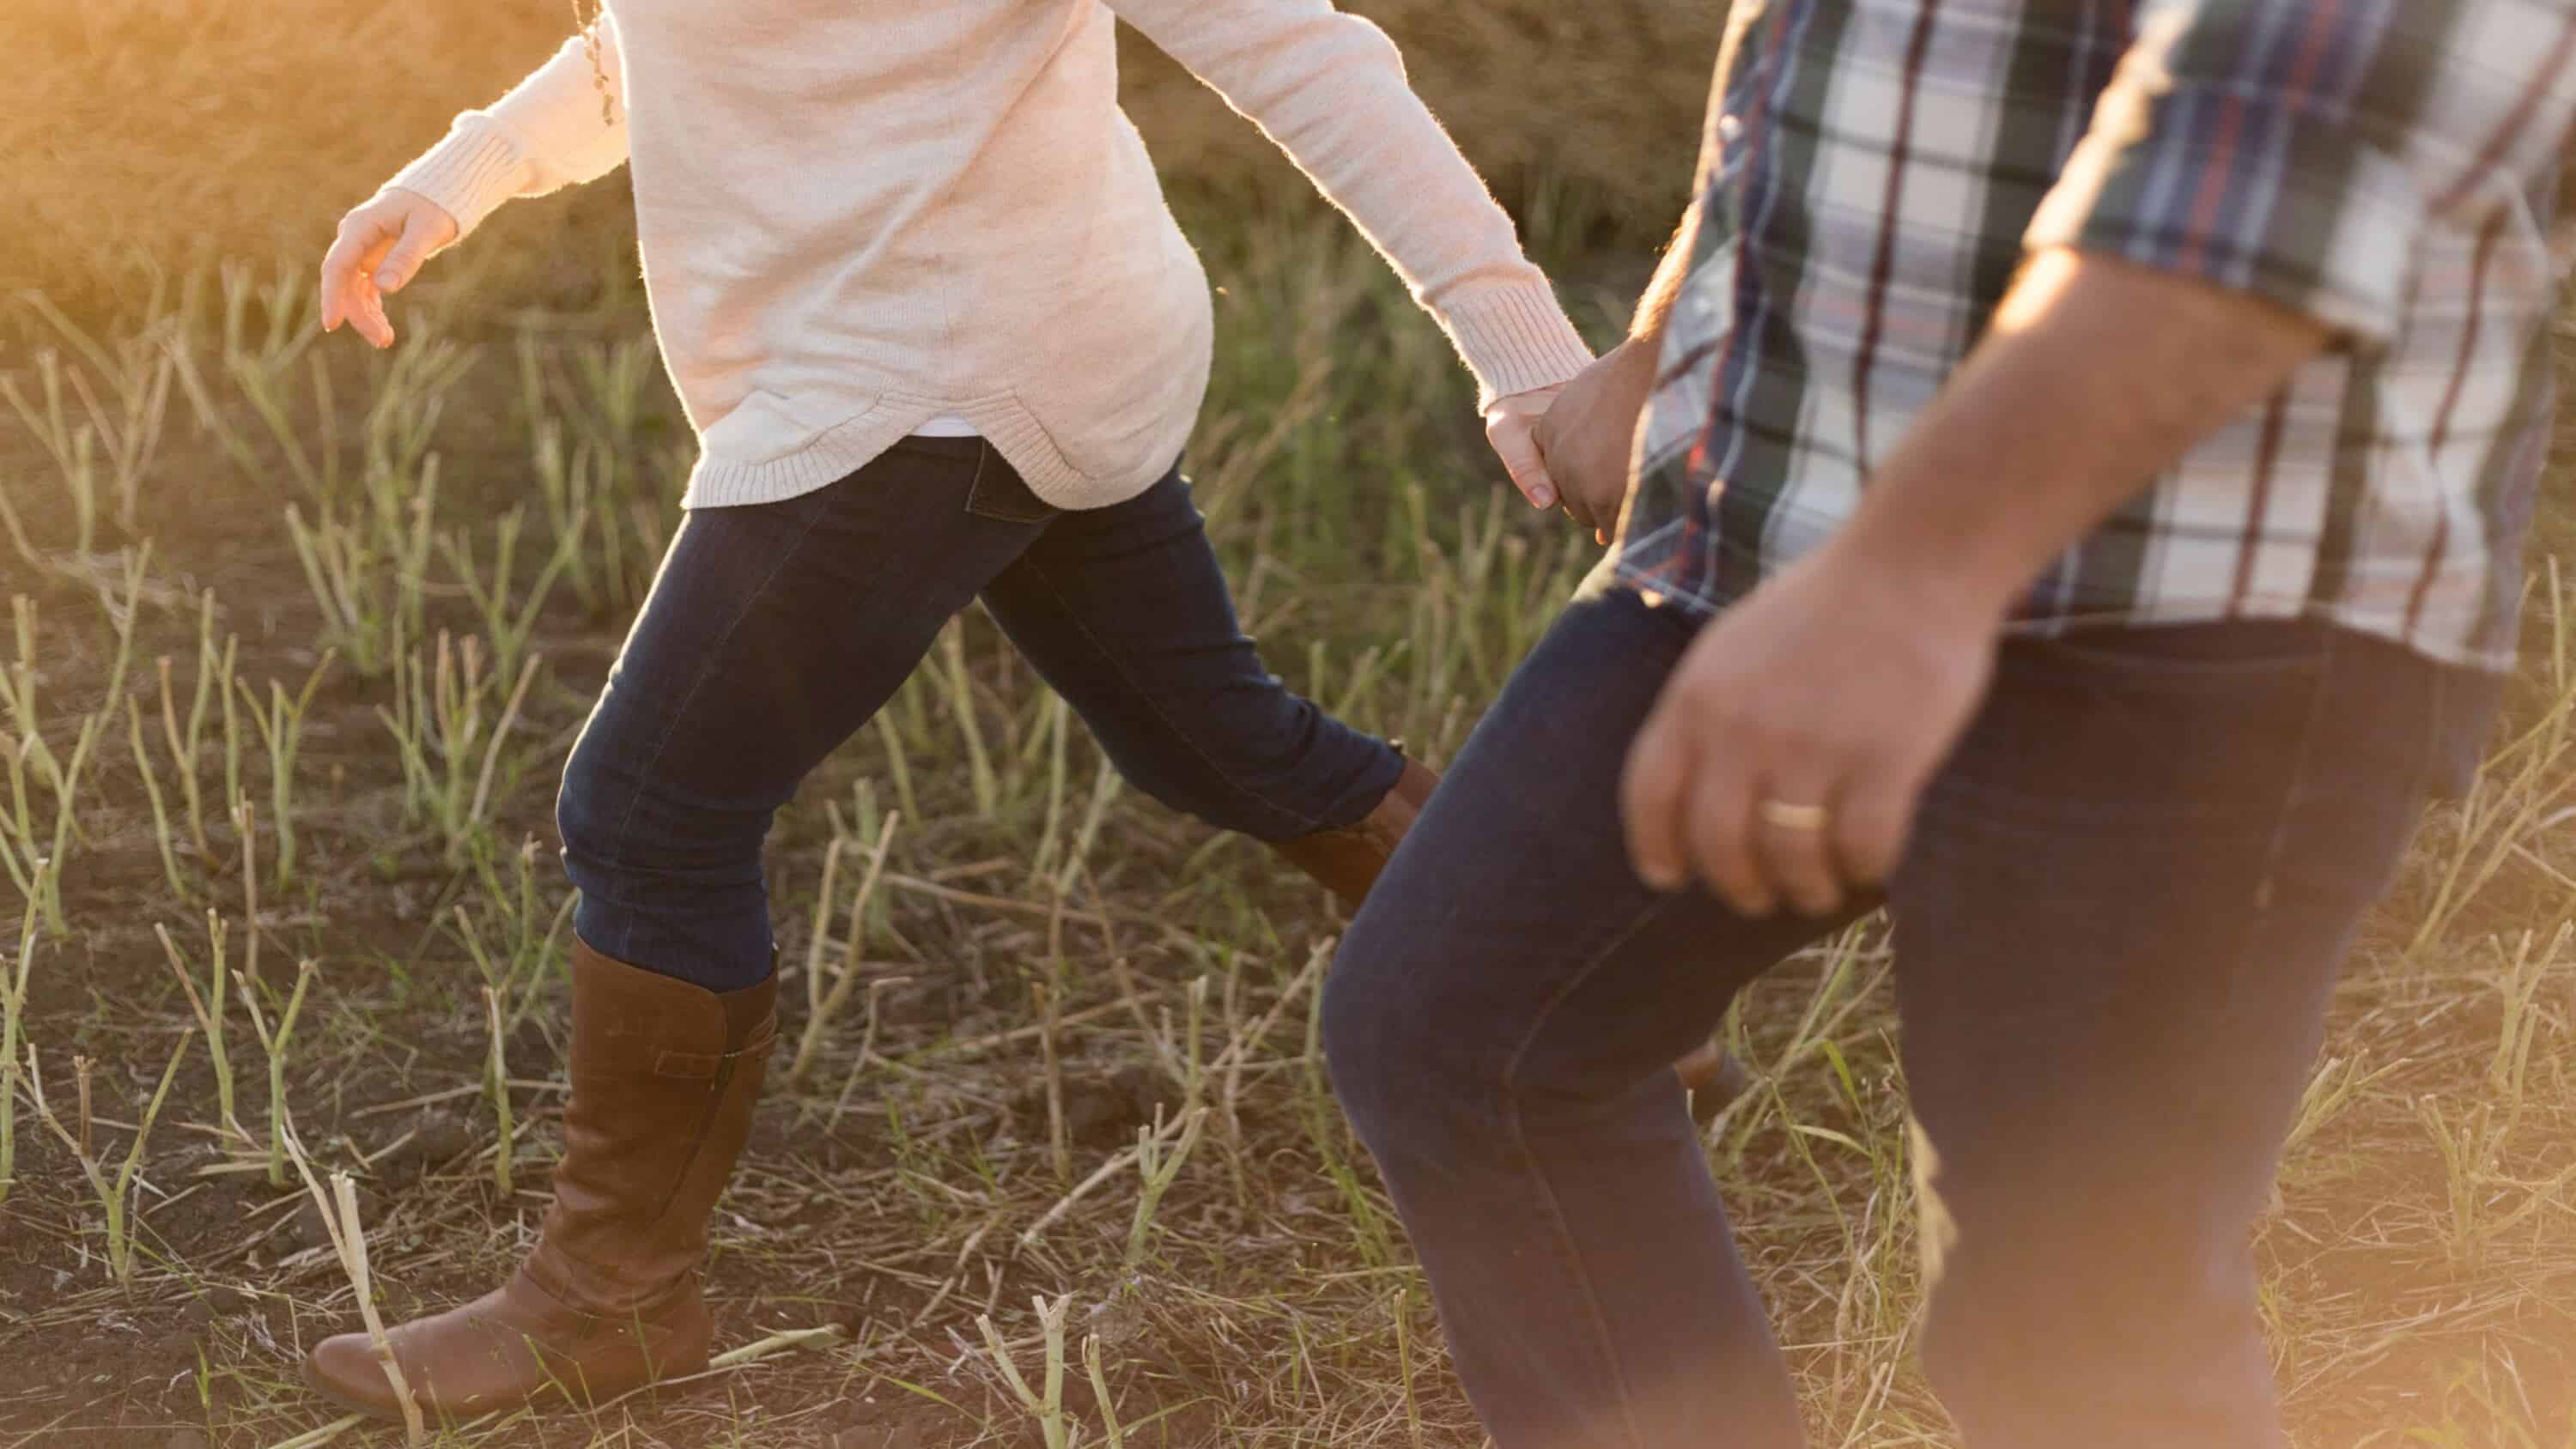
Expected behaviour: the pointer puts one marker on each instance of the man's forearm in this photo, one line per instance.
(1656, 305)
(2096, 376)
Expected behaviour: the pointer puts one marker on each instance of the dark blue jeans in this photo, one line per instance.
(2117, 926)
(775, 631)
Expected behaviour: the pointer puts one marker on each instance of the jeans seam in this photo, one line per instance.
(2277, 849)
(2432, 758)
(1595, 1319)
(705, 670)
(1307, 823)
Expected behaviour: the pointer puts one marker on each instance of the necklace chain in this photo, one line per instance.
(587, 17)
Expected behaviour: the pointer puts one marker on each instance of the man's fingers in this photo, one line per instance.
(1721, 829)
(1652, 785)
(1794, 844)
(1871, 824)
(1580, 509)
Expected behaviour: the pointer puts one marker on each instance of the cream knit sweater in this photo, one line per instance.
(857, 215)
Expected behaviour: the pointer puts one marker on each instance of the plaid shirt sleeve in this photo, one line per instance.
(2302, 151)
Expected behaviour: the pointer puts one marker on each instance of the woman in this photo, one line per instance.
(914, 278)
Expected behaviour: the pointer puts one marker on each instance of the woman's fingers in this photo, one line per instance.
(1512, 426)
(340, 268)
(348, 288)
(426, 230)
(369, 302)
(1514, 436)
(379, 249)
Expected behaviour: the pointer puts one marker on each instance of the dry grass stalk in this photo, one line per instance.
(273, 1044)
(281, 729)
(338, 1207)
(152, 791)
(2522, 791)
(214, 673)
(867, 1047)
(1158, 1165)
(246, 829)
(209, 1010)
(820, 1336)
(824, 1005)
(13, 1010)
(1047, 1408)
(1109, 1425)
(497, 1082)
(326, 1434)
(25, 847)
(1050, 1018)
(113, 1197)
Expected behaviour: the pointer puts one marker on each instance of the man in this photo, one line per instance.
(2080, 501)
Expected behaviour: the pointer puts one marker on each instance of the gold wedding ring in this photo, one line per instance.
(1807, 819)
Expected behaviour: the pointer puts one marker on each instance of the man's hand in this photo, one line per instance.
(1509, 425)
(1588, 437)
(1790, 746)
(1785, 757)
(380, 247)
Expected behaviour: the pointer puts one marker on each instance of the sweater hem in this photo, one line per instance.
(1004, 424)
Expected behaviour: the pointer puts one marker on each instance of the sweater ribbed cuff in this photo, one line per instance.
(1514, 337)
(476, 168)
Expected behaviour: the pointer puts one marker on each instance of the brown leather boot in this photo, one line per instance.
(664, 1077)
(1348, 861)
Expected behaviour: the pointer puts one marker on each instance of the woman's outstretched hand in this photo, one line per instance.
(380, 248)
(1511, 425)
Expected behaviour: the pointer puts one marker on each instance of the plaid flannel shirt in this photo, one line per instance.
(1875, 172)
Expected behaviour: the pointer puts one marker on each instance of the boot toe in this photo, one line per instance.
(344, 1370)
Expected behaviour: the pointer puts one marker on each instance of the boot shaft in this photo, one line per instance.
(665, 1075)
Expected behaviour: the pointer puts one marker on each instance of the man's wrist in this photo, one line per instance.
(1968, 588)
(1655, 306)
(1636, 357)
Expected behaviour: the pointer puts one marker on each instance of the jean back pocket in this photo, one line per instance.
(1001, 494)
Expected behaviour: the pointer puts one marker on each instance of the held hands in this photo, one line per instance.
(1586, 439)
(1571, 443)
(1784, 761)
(1511, 425)
(380, 248)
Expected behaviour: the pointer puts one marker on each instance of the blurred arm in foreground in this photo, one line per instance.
(563, 125)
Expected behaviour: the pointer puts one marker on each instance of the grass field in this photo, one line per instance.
(300, 635)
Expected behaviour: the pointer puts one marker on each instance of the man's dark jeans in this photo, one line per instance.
(2117, 926)
(773, 632)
